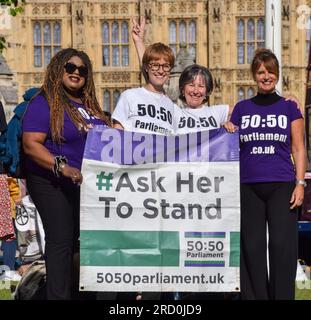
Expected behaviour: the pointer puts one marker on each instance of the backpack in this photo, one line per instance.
(32, 285)
(11, 151)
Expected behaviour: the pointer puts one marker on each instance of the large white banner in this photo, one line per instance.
(160, 213)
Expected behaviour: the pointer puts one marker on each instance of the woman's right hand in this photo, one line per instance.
(73, 173)
(229, 126)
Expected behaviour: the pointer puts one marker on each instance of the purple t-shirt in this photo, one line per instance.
(37, 119)
(265, 140)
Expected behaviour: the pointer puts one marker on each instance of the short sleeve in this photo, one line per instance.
(235, 116)
(122, 110)
(225, 113)
(294, 111)
(3, 124)
(37, 116)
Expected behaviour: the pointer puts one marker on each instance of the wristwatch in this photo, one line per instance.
(302, 182)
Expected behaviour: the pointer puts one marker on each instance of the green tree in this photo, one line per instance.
(15, 7)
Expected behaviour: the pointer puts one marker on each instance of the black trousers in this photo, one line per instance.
(58, 206)
(262, 204)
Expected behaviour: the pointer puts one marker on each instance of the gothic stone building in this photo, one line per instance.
(220, 34)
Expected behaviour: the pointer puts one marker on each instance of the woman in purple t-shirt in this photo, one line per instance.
(55, 127)
(270, 130)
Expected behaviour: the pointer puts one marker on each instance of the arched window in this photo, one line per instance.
(106, 56)
(240, 37)
(115, 43)
(173, 36)
(116, 95)
(115, 40)
(47, 43)
(50, 33)
(192, 51)
(47, 34)
(47, 55)
(172, 32)
(37, 34)
(125, 40)
(192, 39)
(57, 38)
(125, 55)
(192, 32)
(115, 56)
(182, 31)
(260, 33)
(250, 30)
(125, 32)
(57, 34)
(250, 92)
(107, 101)
(106, 42)
(115, 32)
(241, 94)
(105, 33)
(250, 39)
(37, 45)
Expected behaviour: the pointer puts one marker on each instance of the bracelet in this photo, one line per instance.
(301, 182)
(59, 164)
(62, 165)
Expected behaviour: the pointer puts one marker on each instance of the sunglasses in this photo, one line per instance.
(71, 68)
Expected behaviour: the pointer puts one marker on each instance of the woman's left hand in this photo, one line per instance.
(72, 173)
(297, 196)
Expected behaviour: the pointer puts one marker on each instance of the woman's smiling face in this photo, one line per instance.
(195, 92)
(74, 81)
(266, 80)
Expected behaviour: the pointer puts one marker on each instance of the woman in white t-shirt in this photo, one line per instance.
(195, 85)
(148, 109)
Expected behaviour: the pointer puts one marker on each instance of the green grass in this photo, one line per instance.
(303, 290)
(6, 294)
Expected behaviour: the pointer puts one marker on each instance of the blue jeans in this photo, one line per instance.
(9, 251)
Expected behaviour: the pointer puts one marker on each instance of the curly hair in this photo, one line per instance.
(54, 92)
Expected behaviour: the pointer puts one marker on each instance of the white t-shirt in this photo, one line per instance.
(142, 110)
(203, 118)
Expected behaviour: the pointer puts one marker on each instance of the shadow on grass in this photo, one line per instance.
(303, 290)
(6, 294)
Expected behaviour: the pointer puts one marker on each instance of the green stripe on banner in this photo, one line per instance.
(129, 248)
(234, 249)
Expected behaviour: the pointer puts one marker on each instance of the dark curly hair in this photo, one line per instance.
(53, 90)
